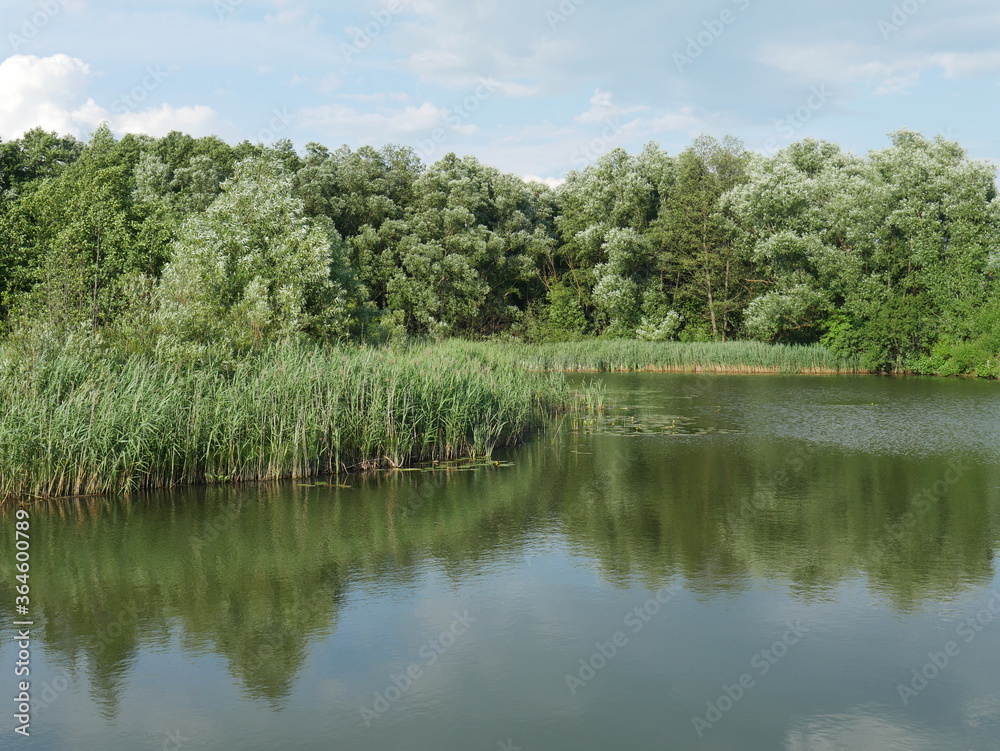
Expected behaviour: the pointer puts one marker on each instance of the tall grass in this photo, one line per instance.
(79, 421)
(695, 357)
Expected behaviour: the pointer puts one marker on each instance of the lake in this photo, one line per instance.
(752, 562)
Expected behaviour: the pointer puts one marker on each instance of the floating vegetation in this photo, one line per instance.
(619, 422)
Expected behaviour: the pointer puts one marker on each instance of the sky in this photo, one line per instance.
(533, 87)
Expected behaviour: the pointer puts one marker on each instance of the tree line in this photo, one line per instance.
(891, 257)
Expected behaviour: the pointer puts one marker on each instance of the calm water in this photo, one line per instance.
(723, 563)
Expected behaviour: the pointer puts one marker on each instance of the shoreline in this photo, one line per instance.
(86, 422)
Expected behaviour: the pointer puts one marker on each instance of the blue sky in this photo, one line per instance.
(535, 87)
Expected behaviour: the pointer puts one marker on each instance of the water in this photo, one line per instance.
(720, 563)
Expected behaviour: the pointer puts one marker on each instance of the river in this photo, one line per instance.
(720, 562)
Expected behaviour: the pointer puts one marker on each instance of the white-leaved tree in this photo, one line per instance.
(252, 268)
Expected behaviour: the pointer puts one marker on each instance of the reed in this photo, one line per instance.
(80, 421)
(602, 355)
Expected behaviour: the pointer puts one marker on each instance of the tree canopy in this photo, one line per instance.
(892, 256)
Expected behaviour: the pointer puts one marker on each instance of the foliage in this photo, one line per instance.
(252, 268)
(684, 357)
(666, 329)
(463, 252)
(890, 258)
(81, 418)
(562, 319)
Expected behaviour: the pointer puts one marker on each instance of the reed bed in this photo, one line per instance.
(79, 421)
(599, 355)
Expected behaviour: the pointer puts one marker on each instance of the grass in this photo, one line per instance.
(599, 355)
(79, 421)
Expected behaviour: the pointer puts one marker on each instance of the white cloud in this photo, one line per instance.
(45, 92)
(968, 64)
(958, 29)
(199, 120)
(379, 96)
(293, 15)
(894, 85)
(326, 84)
(889, 70)
(552, 182)
(455, 43)
(50, 92)
(603, 110)
(684, 119)
(514, 89)
(341, 120)
(846, 60)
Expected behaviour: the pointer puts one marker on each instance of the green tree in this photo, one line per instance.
(74, 241)
(699, 266)
(252, 267)
(793, 217)
(462, 256)
(359, 191)
(606, 211)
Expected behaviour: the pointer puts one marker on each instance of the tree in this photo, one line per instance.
(74, 241)
(461, 258)
(791, 218)
(929, 220)
(606, 212)
(359, 191)
(253, 268)
(35, 155)
(700, 268)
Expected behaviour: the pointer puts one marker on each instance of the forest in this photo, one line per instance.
(178, 243)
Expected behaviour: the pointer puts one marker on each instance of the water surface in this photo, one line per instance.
(720, 563)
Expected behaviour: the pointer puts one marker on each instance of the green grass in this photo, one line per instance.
(602, 355)
(80, 421)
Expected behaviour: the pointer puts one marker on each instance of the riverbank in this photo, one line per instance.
(618, 355)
